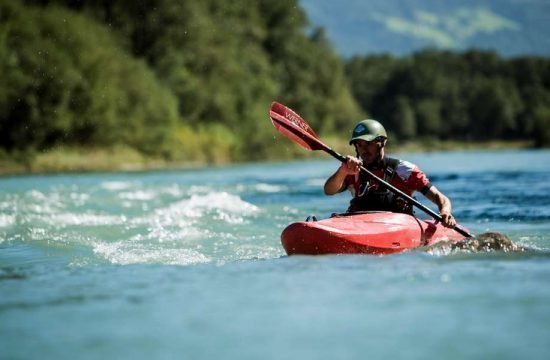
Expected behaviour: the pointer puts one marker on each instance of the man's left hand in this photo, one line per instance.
(448, 220)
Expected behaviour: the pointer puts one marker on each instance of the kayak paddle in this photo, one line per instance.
(291, 125)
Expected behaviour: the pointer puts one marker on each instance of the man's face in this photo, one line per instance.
(370, 151)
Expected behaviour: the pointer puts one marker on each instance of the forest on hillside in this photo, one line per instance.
(469, 96)
(192, 81)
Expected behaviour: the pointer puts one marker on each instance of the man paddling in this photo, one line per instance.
(369, 139)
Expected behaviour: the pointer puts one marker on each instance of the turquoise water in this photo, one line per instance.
(188, 265)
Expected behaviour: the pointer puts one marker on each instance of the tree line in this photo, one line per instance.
(192, 81)
(471, 96)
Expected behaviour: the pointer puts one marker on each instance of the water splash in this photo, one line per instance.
(486, 242)
(126, 253)
(6, 220)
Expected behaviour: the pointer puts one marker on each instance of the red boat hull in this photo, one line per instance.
(365, 233)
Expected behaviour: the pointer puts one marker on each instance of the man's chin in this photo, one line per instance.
(367, 160)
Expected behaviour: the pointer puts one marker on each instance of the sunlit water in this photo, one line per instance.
(188, 265)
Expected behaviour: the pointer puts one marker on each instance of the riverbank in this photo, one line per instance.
(73, 160)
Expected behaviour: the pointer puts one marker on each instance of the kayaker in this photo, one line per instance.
(369, 139)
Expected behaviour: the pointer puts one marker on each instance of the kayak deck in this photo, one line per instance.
(364, 233)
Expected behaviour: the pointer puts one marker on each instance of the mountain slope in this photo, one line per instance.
(510, 27)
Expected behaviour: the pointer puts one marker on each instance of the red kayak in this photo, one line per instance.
(364, 233)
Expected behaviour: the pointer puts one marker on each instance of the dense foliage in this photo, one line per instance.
(189, 80)
(65, 80)
(469, 96)
(192, 81)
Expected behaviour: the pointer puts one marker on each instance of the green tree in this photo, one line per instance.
(428, 115)
(494, 106)
(534, 120)
(402, 119)
(367, 75)
(541, 120)
(67, 81)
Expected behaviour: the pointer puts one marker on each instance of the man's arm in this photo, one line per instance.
(444, 205)
(335, 183)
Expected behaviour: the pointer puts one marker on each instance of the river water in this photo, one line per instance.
(188, 265)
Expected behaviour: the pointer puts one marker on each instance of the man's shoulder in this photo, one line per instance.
(403, 168)
(399, 163)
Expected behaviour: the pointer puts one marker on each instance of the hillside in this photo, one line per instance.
(399, 27)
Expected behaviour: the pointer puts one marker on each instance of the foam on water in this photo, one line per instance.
(138, 195)
(6, 220)
(227, 206)
(193, 222)
(129, 222)
(125, 253)
(173, 191)
(116, 185)
(187, 225)
(89, 219)
(199, 190)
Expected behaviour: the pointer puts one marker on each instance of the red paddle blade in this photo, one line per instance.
(291, 125)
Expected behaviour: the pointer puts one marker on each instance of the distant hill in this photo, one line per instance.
(399, 27)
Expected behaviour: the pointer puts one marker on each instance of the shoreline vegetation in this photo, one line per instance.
(134, 86)
(125, 159)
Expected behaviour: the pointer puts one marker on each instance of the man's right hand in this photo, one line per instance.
(352, 166)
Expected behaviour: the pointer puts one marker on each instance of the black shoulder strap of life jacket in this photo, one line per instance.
(389, 168)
